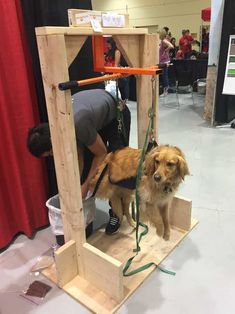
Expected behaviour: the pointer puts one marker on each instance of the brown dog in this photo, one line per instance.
(163, 170)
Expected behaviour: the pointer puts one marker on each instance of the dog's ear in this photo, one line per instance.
(149, 164)
(183, 167)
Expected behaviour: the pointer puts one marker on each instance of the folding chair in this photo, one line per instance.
(183, 84)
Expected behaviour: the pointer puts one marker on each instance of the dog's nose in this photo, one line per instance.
(157, 177)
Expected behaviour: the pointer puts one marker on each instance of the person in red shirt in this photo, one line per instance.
(190, 38)
(185, 43)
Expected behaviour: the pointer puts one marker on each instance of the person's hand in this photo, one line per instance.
(84, 189)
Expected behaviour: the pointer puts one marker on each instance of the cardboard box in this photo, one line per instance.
(82, 18)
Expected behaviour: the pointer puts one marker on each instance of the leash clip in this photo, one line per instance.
(119, 125)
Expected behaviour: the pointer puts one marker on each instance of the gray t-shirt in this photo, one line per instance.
(93, 110)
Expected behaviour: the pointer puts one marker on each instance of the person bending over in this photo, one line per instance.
(96, 128)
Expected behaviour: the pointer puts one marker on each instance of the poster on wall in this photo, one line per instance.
(229, 78)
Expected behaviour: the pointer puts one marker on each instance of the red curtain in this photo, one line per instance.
(23, 178)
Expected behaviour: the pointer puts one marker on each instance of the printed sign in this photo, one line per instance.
(113, 20)
(229, 78)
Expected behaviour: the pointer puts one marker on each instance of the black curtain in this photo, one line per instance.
(54, 13)
(225, 104)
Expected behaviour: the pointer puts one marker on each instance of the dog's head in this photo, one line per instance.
(166, 164)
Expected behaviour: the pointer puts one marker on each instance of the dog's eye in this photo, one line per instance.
(156, 162)
(170, 164)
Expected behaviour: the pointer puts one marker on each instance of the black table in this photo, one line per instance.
(198, 69)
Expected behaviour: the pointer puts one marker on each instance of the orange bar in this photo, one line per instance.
(99, 79)
(98, 52)
(126, 70)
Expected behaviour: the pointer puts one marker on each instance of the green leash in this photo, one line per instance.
(138, 223)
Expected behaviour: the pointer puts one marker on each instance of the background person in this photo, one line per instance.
(164, 60)
(185, 43)
(173, 51)
(115, 57)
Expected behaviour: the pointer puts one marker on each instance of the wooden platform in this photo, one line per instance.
(119, 246)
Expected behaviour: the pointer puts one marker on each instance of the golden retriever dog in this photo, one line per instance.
(164, 169)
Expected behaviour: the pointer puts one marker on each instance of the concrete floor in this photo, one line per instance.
(204, 261)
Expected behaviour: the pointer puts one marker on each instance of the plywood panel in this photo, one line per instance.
(103, 271)
(66, 263)
(180, 213)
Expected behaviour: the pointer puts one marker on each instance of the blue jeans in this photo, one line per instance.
(164, 77)
(123, 85)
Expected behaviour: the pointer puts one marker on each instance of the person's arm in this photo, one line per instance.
(167, 45)
(117, 58)
(190, 39)
(99, 150)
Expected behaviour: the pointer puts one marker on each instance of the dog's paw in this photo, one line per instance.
(160, 230)
(166, 235)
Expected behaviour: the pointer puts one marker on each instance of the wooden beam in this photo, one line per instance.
(104, 272)
(129, 48)
(66, 263)
(54, 69)
(73, 46)
(56, 30)
(148, 48)
(209, 109)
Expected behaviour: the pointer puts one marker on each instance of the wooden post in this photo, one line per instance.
(53, 58)
(148, 56)
(210, 94)
(142, 51)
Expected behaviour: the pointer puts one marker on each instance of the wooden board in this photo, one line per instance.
(210, 93)
(103, 271)
(119, 246)
(145, 96)
(56, 30)
(73, 45)
(66, 261)
(54, 69)
(129, 47)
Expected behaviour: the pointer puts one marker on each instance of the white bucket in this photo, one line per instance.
(54, 213)
(201, 87)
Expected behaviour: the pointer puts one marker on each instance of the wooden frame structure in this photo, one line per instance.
(92, 272)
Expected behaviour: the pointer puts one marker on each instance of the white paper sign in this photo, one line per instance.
(96, 26)
(82, 18)
(229, 77)
(113, 20)
(87, 17)
(95, 16)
